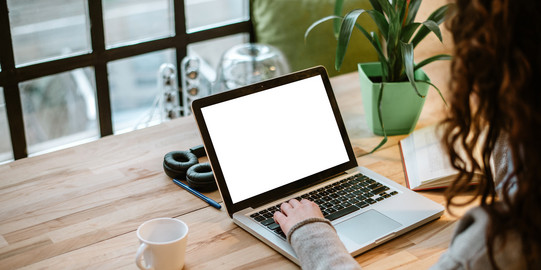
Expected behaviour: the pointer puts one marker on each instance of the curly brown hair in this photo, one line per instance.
(496, 62)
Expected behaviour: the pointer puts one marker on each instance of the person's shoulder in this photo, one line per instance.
(468, 249)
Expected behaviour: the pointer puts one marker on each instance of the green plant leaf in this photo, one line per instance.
(380, 116)
(386, 8)
(434, 27)
(437, 16)
(408, 31)
(437, 89)
(385, 69)
(394, 52)
(379, 50)
(318, 22)
(407, 53)
(338, 5)
(402, 9)
(432, 59)
(380, 21)
(345, 34)
(376, 6)
(413, 9)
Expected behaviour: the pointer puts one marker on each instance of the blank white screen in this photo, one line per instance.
(274, 137)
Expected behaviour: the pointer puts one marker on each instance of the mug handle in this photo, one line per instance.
(139, 257)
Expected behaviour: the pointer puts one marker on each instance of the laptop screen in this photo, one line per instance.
(289, 132)
(267, 137)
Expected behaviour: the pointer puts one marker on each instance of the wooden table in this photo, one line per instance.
(80, 207)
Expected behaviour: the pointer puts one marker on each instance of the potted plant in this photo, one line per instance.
(393, 89)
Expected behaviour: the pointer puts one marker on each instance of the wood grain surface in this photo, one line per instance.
(80, 207)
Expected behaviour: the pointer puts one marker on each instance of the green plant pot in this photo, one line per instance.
(400, 105)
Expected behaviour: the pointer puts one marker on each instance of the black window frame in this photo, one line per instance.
(98, 57)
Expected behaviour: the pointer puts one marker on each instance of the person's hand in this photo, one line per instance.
(293, 212)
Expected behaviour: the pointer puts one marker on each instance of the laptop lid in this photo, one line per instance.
(271, 139)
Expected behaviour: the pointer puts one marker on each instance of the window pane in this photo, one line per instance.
(133, 85)
(59, 110)
(207, 54)
(48, 29)
(128, 21)
(5, 138)
(211, 50)
(211, 13)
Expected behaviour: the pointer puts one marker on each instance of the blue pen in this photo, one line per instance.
(201, 196)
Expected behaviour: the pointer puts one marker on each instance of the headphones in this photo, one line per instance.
(182, 165)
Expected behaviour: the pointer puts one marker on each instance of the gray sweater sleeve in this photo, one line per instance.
(318, 247)
(468, 248)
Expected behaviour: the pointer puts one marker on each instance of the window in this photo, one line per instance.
(43, 30)
(59, 110)
(133, 86)
(63, 82)
(5, 140)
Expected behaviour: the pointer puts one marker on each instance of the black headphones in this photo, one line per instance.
(182, 165)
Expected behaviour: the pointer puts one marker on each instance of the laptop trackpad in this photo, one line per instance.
(366, 227)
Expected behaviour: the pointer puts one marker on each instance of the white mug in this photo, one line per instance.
(163, 244)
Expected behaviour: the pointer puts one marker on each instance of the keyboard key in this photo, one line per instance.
(273, 226)
(374, 186)
(393, 193)
(353, 201)
(341, 213)
(362, 204)
(280, 233)
(380, 189)
(370, 201)
(266, 222)
(258, 218)
(346, 204)
(327, 205)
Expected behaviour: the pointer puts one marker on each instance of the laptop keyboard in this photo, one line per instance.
(335, 200)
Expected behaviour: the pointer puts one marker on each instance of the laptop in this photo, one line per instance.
(284, 138)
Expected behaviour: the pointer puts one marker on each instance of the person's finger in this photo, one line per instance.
(285, 207)
(306, 202)
(289, 208)
(294, 203)
(279, 217)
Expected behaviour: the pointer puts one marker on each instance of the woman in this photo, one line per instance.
(496, 105)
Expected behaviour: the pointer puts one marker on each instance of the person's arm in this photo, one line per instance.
(313, 237)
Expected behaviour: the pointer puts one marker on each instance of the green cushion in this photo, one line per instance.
(282, 23)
